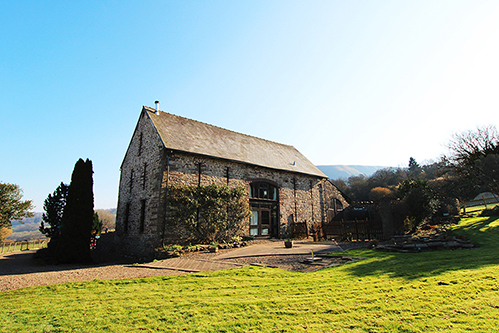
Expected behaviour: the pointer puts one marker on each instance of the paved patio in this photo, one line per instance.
(202, 262)
(277, 248)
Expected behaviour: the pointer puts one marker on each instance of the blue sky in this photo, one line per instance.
(345, 82)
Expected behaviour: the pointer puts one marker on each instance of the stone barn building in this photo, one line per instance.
(283, 187)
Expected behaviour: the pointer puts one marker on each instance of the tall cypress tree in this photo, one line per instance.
(76, 226)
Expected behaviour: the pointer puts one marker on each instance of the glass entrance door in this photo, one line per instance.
(264, 203)
(260, 222)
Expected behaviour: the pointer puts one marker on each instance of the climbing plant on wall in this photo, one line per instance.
(207, 213)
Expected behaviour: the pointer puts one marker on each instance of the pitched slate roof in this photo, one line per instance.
(187, 135)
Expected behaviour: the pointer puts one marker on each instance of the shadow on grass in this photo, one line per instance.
(483, 232)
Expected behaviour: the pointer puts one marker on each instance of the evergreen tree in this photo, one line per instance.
(54, 210)
(76, 227)
(96, 225)
(414, 169)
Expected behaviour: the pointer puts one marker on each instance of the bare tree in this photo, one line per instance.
(471, 162)
(108, 218)
(470, 145)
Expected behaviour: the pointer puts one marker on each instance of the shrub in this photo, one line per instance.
(421, 200)
(379, 193)
(207, 213)
(490, 212)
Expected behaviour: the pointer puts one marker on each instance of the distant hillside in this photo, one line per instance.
(345, 171)
(29, 228)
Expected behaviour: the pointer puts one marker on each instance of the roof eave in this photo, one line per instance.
(243, 162)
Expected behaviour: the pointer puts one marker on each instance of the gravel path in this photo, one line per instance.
(20, 269)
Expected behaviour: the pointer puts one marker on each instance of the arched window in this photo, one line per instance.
(262, 190)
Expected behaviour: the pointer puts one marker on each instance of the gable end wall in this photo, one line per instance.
(144, 158)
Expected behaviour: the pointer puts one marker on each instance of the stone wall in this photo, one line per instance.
(300, 196)
(139, 211)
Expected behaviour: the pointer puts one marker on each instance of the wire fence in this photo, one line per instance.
(481, 204)
(24, 245)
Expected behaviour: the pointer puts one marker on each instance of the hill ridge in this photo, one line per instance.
(337, 171)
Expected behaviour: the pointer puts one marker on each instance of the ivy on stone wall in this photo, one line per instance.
(207, 213)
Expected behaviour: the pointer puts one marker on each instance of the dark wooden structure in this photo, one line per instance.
(340, 230)
(299, 230)
(353, 230)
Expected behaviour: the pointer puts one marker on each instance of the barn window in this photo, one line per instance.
(127, 215)
(144, 176)
(140, 144)
(142, 215)
(131, 181)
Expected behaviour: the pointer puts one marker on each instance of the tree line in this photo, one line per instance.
(412, 194)
(416, 192)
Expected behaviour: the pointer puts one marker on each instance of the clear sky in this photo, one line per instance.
(345, 82)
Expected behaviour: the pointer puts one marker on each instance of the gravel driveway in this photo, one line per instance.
(20, 269)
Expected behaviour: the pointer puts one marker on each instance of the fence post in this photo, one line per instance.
(357, 228)
(368, 236)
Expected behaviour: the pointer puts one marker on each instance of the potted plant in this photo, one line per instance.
(288, 243)
(213, 247)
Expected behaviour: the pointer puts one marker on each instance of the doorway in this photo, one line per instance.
(264, 210)
(260, 221)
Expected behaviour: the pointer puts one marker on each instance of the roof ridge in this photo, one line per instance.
(222, 128)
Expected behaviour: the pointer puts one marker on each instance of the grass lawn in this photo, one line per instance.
(389, 292)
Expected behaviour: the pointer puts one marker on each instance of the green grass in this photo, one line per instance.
(388, 292)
